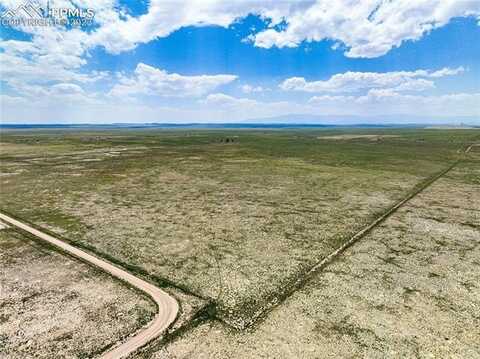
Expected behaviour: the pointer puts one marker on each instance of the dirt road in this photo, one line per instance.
(167, 305)
(469, 148)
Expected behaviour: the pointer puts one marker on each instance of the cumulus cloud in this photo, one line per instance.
(51, 63)
(446, 71)
(122, 33)
(38, 97)
(34, 62)
(366, 28)
(148, 80)
(221, 99)
(53, 54)
(355, 81)
(41, 71)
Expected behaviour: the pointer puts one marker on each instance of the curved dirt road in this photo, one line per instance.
(167, 305)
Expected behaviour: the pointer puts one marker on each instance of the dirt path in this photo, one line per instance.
(300, 282)
(167, 306)
(360, 234)
(471, 146)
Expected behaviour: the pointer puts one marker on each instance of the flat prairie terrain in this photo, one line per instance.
(54, 306)
(235, 217)
(409, 289)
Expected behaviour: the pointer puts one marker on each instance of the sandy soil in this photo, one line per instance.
(53, 306)
(167, 305)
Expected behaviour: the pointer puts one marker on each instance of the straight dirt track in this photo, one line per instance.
(299, 283)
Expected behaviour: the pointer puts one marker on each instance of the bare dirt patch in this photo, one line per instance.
(357, 137)
(54, 306)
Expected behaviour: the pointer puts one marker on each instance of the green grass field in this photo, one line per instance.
(235, 222)
(410, 288)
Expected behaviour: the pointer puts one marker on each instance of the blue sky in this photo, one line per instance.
(241, 60)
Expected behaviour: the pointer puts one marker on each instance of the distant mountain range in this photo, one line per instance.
(286, 121)
(396, 120)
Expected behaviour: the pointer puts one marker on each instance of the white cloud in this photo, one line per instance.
(316, 100)
(40, 70)
(243, 108)
(49, 68)
(224, 108)
(252, 89)
(388, 102)
(65, 88)
(414, 85)
(221, 99)
(447, 72)
(54, 54)
(6, 100)
(355, 81)
(164, 17)
(30, 62)
(58, 54)
(366, 28)
(55, 101)
(148, 80)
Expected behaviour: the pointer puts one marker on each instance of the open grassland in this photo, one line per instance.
(236, 222)
(409, 289)
(54, 306)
